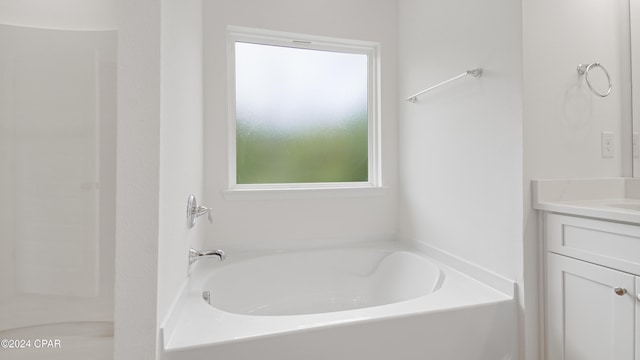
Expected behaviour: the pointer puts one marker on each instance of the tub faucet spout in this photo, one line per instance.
(195, 255)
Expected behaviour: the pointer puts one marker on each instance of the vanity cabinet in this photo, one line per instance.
(587, 319)
(592, 284)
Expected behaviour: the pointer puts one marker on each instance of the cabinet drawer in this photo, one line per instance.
(606, 243)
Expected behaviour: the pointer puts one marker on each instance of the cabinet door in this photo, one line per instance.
(586, 318)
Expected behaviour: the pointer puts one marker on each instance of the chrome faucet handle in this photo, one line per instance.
(195, 255)
(201, 210)
(194, 211)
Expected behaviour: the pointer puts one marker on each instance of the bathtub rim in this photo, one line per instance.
(189, 321)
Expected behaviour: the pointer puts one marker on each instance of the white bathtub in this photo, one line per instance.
(368, 302)
(311, 282)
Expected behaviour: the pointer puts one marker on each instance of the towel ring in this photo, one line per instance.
(584, 70)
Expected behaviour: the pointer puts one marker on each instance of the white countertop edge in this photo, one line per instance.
(589, 197)
(593, 209)
(579, 189)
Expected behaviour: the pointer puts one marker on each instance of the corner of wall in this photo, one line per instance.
(138, 166)
(181, 145)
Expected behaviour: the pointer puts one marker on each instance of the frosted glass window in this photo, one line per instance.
(301, 115)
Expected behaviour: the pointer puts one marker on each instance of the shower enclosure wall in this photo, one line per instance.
(57, 192)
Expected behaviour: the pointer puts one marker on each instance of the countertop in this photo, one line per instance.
(613, 199)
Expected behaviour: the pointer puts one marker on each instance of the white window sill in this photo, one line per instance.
(304, 193)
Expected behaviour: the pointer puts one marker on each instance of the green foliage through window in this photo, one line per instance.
(301, 115)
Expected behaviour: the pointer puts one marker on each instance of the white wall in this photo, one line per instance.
(259, 221)
(138, 181)
(181, 152)
(460, 149)
(159, 164)
(562, 119)
(60, 14)
(460, 145)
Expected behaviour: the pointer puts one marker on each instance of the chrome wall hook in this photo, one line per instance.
(194, 211)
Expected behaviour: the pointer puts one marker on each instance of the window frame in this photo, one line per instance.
(276, 38)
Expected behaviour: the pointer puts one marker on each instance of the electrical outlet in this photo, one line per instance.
(607, 143)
